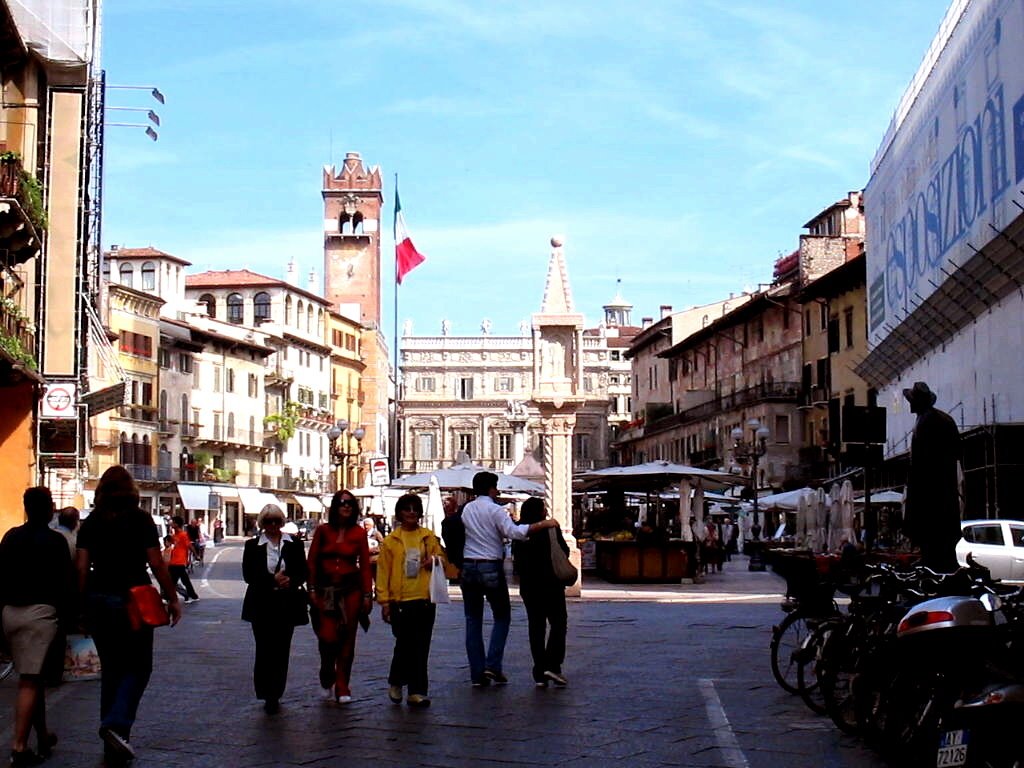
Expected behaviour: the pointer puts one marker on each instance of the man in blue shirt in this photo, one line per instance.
(487, 525)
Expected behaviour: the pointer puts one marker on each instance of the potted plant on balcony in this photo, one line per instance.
(285, 421)
(27, 189)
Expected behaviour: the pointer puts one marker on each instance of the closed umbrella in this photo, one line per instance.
(846, 514)
(803, 511)
(434, 513)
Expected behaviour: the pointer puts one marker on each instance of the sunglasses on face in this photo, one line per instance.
(348, 502)
(272, 521)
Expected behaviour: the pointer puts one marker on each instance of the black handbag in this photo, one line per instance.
(293, 603)
(565, 572)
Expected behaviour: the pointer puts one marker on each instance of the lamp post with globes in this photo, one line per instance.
(751, 451)
(339, 454)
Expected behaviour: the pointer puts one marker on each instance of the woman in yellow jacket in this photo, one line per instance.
(403, 590)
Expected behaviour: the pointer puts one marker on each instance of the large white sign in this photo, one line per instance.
(59, 401)
(952, 162)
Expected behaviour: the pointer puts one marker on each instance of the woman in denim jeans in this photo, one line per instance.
(487, 525)
(116, 543)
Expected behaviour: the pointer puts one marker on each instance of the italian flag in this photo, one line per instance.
(407, 258)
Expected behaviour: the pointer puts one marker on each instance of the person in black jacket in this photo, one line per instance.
(543, 596)
(274, 567)
(37, 583)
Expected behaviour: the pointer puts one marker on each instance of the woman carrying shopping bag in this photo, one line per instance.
(407, 558)
(274, 568)
(341, 584)
(543, 596)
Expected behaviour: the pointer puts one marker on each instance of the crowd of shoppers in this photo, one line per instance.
(53, 564)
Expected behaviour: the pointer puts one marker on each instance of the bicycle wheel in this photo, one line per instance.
(842, 657)
(787, 638)
(809, 661)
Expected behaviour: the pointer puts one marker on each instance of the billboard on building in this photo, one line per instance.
(952, 162)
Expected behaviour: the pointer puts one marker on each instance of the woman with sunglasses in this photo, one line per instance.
(341, 585)
(274, 567)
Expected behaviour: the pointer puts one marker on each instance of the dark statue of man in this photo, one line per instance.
(932, 519)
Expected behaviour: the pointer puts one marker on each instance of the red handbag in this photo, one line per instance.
(146, 608)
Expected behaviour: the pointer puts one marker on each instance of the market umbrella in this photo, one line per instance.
(882, 497)
(657, 474)
(460, 476)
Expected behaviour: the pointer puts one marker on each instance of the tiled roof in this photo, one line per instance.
(141, 253)
(236, 278)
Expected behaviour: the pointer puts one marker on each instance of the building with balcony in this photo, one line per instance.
(297, 404)
(128, 434)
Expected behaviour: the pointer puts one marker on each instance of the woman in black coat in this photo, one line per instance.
(274, 567)
(543, 596)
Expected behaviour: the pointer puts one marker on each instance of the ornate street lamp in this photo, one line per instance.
(339, 456)
(751, 451)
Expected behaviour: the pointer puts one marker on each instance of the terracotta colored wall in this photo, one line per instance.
(17, 455)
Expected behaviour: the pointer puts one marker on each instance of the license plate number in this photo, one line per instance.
(952, 749)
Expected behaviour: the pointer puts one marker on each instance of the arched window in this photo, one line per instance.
(299, 307)
(163, 405)
(126, 273)
(149, 276)
(144, 457)
(235, 308)
(320, 323)
(261, 307)
(287, 310)
(185, 415)
(344, 223)
(309, 318)
(124, 450)
(357, 224)
(164, 460)
(211, 303)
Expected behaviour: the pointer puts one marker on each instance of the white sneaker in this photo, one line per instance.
(344, 699)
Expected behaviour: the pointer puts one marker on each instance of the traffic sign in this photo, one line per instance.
(379, 474)
(59, 401)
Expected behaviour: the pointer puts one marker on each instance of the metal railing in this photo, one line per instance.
(778, 391)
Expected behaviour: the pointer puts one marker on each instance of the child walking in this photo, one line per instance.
(403, 591)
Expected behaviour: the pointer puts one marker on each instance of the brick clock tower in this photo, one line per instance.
(352, 206)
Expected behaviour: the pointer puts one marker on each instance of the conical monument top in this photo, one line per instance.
(557, 292)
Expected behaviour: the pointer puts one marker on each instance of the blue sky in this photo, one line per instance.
(676, 144)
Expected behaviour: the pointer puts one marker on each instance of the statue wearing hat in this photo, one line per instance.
(932, 519)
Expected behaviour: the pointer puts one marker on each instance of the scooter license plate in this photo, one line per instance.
(952, 749)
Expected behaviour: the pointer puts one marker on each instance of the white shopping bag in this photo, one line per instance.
(439, 583)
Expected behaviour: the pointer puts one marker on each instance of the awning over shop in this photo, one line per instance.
(253, 500)
(194, 495)
(311, 505)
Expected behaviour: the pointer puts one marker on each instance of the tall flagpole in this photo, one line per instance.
(394, 411)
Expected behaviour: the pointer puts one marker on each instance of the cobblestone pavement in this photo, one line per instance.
(663, 675)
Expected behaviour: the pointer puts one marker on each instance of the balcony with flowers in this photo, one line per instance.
(17, 336)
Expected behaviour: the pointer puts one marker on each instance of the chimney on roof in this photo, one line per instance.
(291, 273)
(666, 310)
(646, 322)
(114, 247)
(313, 286)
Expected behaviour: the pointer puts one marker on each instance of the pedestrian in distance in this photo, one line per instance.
(403, 590)
(487, 525)
(453, 533)
(178, 565)
(341, 588)
(37, 591)
(543, 597)
(274, 568)
(115, 545)
(67, 526)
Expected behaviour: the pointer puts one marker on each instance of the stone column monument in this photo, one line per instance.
(558, 390)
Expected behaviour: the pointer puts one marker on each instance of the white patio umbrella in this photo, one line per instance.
(882, 497)
(658, 474)
(460, 476)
